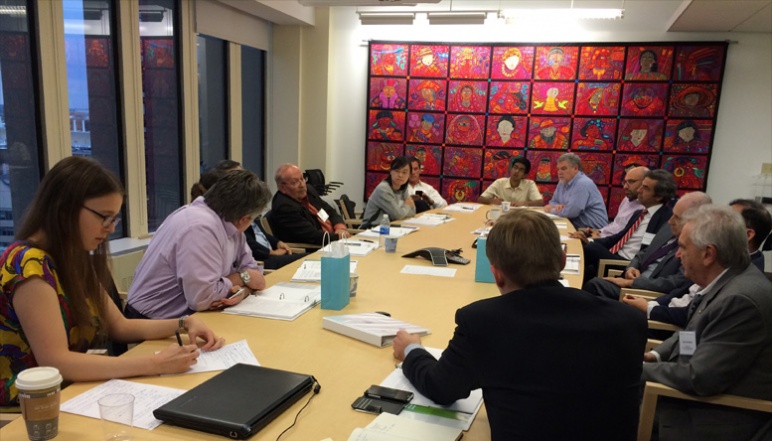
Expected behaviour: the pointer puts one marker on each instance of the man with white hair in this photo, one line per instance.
(726, 347)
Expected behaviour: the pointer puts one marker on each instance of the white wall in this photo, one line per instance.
(743, 135)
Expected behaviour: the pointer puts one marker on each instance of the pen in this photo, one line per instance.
(237, 293)
(179, 339)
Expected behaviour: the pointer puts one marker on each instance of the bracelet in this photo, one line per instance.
(181, 323)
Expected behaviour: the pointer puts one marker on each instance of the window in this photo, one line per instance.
(90, 51)
(20, 167)
(212, 100)
(253, 105)
(158, 23)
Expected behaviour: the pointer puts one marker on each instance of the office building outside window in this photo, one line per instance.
(91, 52)
(213, 100)
(20, 158)
(253, 109)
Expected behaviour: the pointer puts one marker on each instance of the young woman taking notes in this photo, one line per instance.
(53, 304)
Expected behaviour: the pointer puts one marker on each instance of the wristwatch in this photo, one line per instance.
(245, 278)
(181, 323)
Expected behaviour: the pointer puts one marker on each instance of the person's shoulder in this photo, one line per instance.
(24, 259)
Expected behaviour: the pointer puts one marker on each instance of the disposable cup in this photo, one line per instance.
(505, 206)
(39, 396)
(391, 244)
(117, 414)
(353, 284)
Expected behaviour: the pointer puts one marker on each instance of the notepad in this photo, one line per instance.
(462, 208)
(389, 427)
(393, 232)
(429, 220)
(283, 301)
(356, 247)
(572, 264)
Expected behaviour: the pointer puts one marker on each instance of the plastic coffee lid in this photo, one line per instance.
(38, 378)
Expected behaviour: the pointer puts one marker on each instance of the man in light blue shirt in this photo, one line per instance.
(576, 197)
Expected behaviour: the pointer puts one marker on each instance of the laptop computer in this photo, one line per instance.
(238, 402)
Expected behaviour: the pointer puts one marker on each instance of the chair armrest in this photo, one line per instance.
(644, 293)
(651, 344)
(306, 247)
(655, 390)
(654, 324)
(603, 263)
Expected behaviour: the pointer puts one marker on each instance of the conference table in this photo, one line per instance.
(344, 367)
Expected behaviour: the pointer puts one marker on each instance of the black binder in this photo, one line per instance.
(238, 402)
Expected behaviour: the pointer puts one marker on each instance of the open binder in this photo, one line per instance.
(283, 301)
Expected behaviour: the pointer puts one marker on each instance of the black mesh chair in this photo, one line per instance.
(315, 178)
(347, 209)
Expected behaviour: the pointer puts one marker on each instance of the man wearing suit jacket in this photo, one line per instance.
(656, 191)
(656, 268)
(516, 346)
(298, 214)
(726, 347)
(267, 249)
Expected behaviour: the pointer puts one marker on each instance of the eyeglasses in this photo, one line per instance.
(631, 181)
(106, 220)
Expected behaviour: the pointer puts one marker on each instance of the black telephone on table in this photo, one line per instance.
(439, 256)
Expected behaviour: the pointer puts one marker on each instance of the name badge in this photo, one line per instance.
(323, 215)
(647, 238)
(687, 342)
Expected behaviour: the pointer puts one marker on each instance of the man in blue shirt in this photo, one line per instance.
(576, 197)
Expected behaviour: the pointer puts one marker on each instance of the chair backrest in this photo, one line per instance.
(266, 224)
(315, 178)
(347, 207)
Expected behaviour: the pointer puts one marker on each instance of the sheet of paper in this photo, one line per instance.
(311, 271)
(429, 219)
(483, 231)
(396, 379)
(561, 225)
(223, 358)
(388, 427)
(572, 264)
(565, 283)
(429, 271)
(357, 247)
(463, 207)
(147, 398)
(393, 231)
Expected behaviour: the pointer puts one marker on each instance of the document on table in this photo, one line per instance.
(356, 247)
(463, 207)
(482, 231)
(429, 271)
(147, 398)
(311, 271)
(223, 358)
(572, 264)
(388, 427)
(393, 232)
(429, 220)
(282, 301)
(561, 225)
(466, 408)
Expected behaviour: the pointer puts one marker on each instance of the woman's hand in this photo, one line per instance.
(175, 359)
(198, 329)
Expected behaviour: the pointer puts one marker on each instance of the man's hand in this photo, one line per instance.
(342, 232)
(649, 357)
(632, 273)
(401, 341)
(637, 302)
(620, 282)
(256, 280)
(579, 234)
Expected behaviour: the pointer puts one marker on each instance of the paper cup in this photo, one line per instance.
(391, 244)
(39, 389)
(353, 284)
(505, 206)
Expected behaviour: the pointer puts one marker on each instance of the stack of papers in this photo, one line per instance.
(283, 301)
(462, 207)
(572, 264)
(483, 231)
(389, 427)
(393, 232)
(429, 219)
(460, 414)
(311, 271)
(356, 247)
(370, 327)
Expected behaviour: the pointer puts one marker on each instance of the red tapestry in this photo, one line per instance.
(465, 110)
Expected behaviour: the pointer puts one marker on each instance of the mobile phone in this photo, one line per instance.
(388, 393)
(419, 192)
(374, 405)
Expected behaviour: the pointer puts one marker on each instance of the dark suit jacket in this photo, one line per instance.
(733, 327)
(542, 355)
(292, 222)
(668, 274)
(658, 220)
(260, 252)
(674, 315)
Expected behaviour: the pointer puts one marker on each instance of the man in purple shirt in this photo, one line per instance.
(576, 196)
(199, 256)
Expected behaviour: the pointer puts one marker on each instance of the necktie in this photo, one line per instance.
(615, 249)
(659, 253)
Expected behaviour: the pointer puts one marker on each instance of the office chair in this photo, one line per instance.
(653, 391)
(612, 267)
(347, 209)
(315, 178)
(297, 247)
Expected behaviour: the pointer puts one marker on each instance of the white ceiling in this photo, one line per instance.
(684, 15)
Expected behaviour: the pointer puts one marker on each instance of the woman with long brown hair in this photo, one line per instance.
(54, 305)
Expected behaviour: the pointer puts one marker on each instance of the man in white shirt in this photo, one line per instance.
(629, 205)
(421, 191)
(516, 189)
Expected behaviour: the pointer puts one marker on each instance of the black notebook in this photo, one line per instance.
(238, 402)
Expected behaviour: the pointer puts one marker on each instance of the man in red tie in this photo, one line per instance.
(298, 214)
(657, 189)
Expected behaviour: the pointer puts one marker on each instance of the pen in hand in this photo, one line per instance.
(179, 339)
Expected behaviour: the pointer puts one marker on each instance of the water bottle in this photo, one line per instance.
(385, 228)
